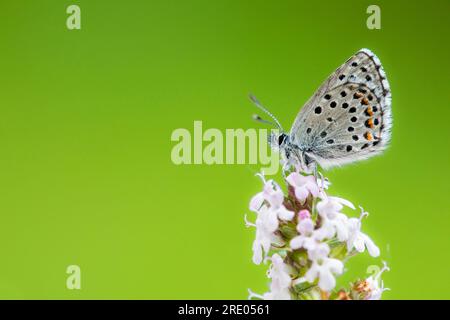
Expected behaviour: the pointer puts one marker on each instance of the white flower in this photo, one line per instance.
(333, 221)
(258, 200)
(269, 207)
(331, 227)
(371, 288)
(323, 267)
(307, 238)
(303, 186)
(281, 281)
(359, 240)
(264, 235)
(376, 285)
(316, 226)
(274, 197)
(329, 207)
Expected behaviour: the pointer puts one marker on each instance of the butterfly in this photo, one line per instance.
(348, 118)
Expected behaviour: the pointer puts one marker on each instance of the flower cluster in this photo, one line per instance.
(307, 239)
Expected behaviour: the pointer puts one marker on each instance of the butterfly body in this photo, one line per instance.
(346, 120)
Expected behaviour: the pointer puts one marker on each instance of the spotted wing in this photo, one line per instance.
(349, 117)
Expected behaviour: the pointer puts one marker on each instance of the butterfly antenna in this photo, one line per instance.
(258, 118)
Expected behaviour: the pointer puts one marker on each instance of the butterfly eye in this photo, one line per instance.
(281, 138)
(308, 160)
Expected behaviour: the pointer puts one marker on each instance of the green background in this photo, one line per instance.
(86, 118)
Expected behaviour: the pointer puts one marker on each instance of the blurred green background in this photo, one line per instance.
(86, 118)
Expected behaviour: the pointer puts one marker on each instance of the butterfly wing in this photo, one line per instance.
(349, 117)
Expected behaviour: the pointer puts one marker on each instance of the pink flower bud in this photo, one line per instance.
(304, 214)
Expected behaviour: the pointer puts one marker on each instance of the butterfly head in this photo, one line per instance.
(290, 153)
(282, 140)
(278, 141)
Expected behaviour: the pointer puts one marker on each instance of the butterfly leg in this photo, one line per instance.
(287, 168)
(283, 170)
(316, 173)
